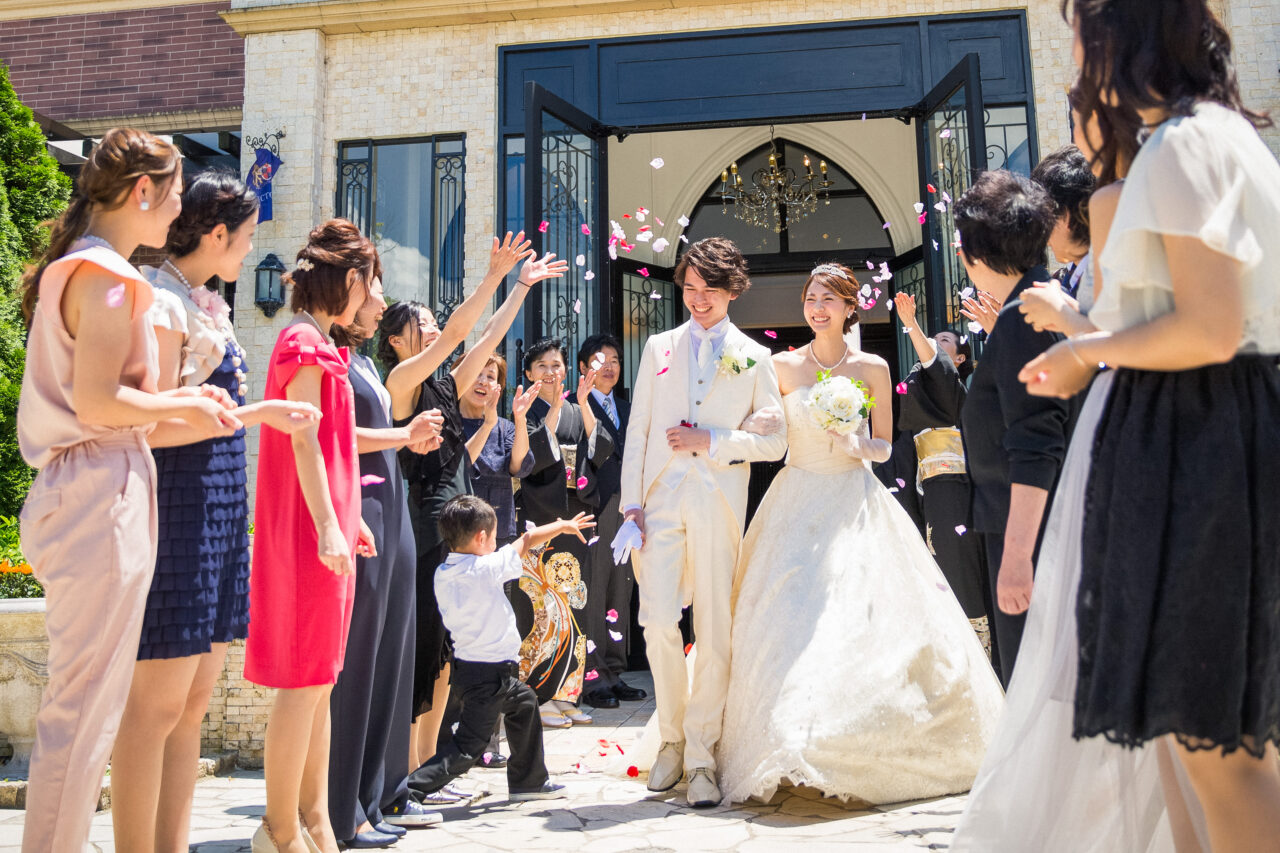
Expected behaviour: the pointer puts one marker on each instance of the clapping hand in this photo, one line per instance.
(984, 310)
(538, 269)
(523, 399)
(1046, 307)
(506, 253)
(585, 383)
(491, 407)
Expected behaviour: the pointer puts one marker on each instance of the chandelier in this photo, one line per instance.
(777, 195)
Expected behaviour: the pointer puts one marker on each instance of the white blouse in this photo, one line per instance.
(1210, 176)
(205, 337)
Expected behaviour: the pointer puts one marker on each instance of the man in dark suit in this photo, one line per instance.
(1014, 443)
(609, 586)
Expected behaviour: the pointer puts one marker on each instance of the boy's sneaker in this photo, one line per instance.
(548, 791)
(411, 814)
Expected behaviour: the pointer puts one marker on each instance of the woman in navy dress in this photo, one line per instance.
(199, 598)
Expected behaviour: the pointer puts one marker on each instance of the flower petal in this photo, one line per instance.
(616, 636)
(684, 221)
(581, 483)
(770, 333)
(611, 615)
(372, 480)
(588, 275)
(115, 296)
(657, 162)
(581, 260)
(586, 229)
(542, 226)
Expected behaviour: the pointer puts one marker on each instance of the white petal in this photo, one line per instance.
(657, 162)
(644, 236)
(919, 206)
(581, 260)
(684, 221)
(589, 275)
(660, 245)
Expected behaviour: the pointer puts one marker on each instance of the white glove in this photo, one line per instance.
(628, 537)
(766, 421)
(872, 449)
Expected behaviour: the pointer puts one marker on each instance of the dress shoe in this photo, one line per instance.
(369, 840)
(703, 790)
(667, 768)
(262, 841)
(548, 791)
(574, 714)
(397, 831)
(627, 693)
(601, 697)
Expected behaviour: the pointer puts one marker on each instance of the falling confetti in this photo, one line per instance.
(961, 529)
(581, 260)
(901, 388)
(964, 339)
(660, 245)
(613, 251)
(866, 288)
(943, 587)
(564, 396)
(542, 226)
(372, 480)
(588, 276)
(611, 615)
(864, 116)
(770, 333)
(597, 362)
(115, 296)
(616, 636)
(684, 221)
(586, 229)
(657, 162)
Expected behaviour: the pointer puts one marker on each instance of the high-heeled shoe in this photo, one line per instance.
(263, 841)
(310, 842)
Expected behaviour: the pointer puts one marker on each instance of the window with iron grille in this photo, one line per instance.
(408, 196)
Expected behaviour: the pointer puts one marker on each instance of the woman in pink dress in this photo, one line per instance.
(307, 532)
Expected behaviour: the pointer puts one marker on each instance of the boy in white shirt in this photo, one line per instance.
(486, 669)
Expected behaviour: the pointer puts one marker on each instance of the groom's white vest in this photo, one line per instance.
(670, 389)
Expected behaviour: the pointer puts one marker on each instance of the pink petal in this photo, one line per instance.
(542, 226)
(663, 370)
(582, 482)
(930, 188)
(372, 480)
(586, 229)
(644, 271)
(961, 529)
(611, 616)
(901, 388)
(564, 396)
(1041, 376)
(943, 587)
(644, 228)
(922, 218)
(941, 207)
(661, 224)
(885, 226)
(115, 296)
(901, 482)
(946, 197)
(945, 133)
(592, 675)
(877, 292)
(770, 333)
(660, 245)
(870, 265)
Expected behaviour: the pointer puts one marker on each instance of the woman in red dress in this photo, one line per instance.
(307, 533)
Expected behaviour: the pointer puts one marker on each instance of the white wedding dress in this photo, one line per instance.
(854, 669)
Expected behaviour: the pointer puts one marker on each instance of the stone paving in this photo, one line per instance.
(603, 813)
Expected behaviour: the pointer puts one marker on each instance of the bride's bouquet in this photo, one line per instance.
(839, 404)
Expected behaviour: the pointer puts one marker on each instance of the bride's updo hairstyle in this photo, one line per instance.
(318, 280)
(117, 163)
(839, 280)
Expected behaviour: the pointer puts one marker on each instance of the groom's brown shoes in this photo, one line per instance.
(668, 767)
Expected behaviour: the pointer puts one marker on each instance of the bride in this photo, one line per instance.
(854, 669)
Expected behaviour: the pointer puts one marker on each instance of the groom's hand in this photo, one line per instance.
(686, 439)
(635, 515)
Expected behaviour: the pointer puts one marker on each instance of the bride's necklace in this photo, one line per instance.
(177, 273)
(98, 241)
(813, 355)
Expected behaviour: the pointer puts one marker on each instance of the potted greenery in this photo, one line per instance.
(24, 646)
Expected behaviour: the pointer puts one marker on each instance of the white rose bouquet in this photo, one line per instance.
(839, 404)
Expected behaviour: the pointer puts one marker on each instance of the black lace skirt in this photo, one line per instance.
(1179, 603)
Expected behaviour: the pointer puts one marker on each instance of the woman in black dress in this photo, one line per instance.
(1179, 601)
(413, 347)
(371, 702)
(929, 403)
(552, 612)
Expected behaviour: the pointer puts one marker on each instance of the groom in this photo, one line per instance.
(684, 484)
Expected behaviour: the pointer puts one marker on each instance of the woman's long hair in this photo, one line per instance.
(122, 157)
(1119, 131)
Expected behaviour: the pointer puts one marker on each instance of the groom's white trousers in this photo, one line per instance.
(691, 546)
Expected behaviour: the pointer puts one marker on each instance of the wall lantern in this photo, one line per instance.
(269, 290)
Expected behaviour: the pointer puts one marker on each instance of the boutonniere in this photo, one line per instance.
(733, 361)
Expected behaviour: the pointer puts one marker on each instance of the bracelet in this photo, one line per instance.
(525, 283)
(1072, 347)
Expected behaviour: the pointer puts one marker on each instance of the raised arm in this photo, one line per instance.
(521, 461)
(926, 349)
(406, 376)
(534, 271)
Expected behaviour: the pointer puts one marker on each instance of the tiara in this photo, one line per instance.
(304, 265)
(829, 269)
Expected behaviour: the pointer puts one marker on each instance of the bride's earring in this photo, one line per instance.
(146, 205)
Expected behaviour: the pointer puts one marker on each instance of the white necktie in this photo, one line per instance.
(704, 351)
(608, 410)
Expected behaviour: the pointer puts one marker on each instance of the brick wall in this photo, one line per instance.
(160, 60)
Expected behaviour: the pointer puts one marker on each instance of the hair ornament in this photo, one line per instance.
(829, 269)
(304, 265)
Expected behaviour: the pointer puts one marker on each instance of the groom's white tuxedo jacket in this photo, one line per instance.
(667, 392)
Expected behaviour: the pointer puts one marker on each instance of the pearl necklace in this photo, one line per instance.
(177, 273)
(98, 241)
(839, 361)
